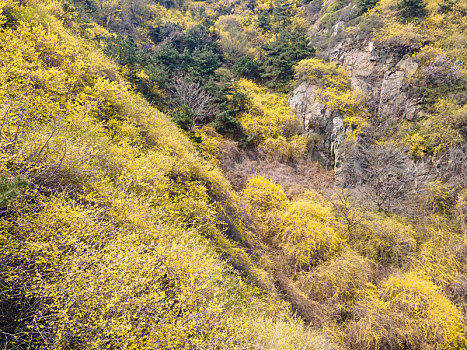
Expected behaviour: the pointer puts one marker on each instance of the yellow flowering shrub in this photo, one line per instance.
(324, 73)
(441, 256)
(339, 281)
(210, 141)
(265, 194)
(396, 34)
(267, 113)
(281, 149)
(335, 91)
(267, 200)
(384, 239)
(307, 236)
(406, 311)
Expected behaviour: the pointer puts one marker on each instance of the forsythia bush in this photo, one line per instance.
(406, 312)
(338, 282)
(267, 113)
(384, 239)
(307, 235)
(281, 149)
(335, 91)
(325, 74)
(267, 200)
(264, 194)
(110, 236)
(211, 141)
(441, 256)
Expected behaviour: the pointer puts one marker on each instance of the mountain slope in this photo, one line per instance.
(120, 228)
(109, 234)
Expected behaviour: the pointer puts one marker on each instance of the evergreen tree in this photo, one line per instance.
(264, 21)
(409, 9)
(246, 67)
(200, 62)
(225, 123)
(168, 56)
(123, 49)
(282, 54)
(283, 13)
(365, 5)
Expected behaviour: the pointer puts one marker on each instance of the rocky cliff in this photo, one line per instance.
(381, 75)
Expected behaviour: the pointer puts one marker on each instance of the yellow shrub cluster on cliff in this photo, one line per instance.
(284, 150)
(267, 112)
(266, 117)
(435, 38)
(439, 132)
(335, 91)
(323, 73)
(441, 26)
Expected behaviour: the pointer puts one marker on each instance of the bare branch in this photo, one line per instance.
(383, 174)
(185, 93)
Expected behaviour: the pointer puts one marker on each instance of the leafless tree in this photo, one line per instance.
(451, 167)
(189, 94)
(383, 173)
(346, 210)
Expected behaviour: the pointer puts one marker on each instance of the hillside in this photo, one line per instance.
(233, 175)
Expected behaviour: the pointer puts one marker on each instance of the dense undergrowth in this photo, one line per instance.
(119, 230)
(114, 232)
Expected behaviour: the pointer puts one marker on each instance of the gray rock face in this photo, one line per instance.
(382, 76)
(309, 108)
(337, 139)
(318, 120)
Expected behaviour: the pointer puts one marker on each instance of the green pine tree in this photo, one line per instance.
(365, 5)
(409, 9)
(283, 13)
(282, 54)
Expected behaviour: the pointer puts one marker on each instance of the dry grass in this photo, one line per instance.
(239, 165)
